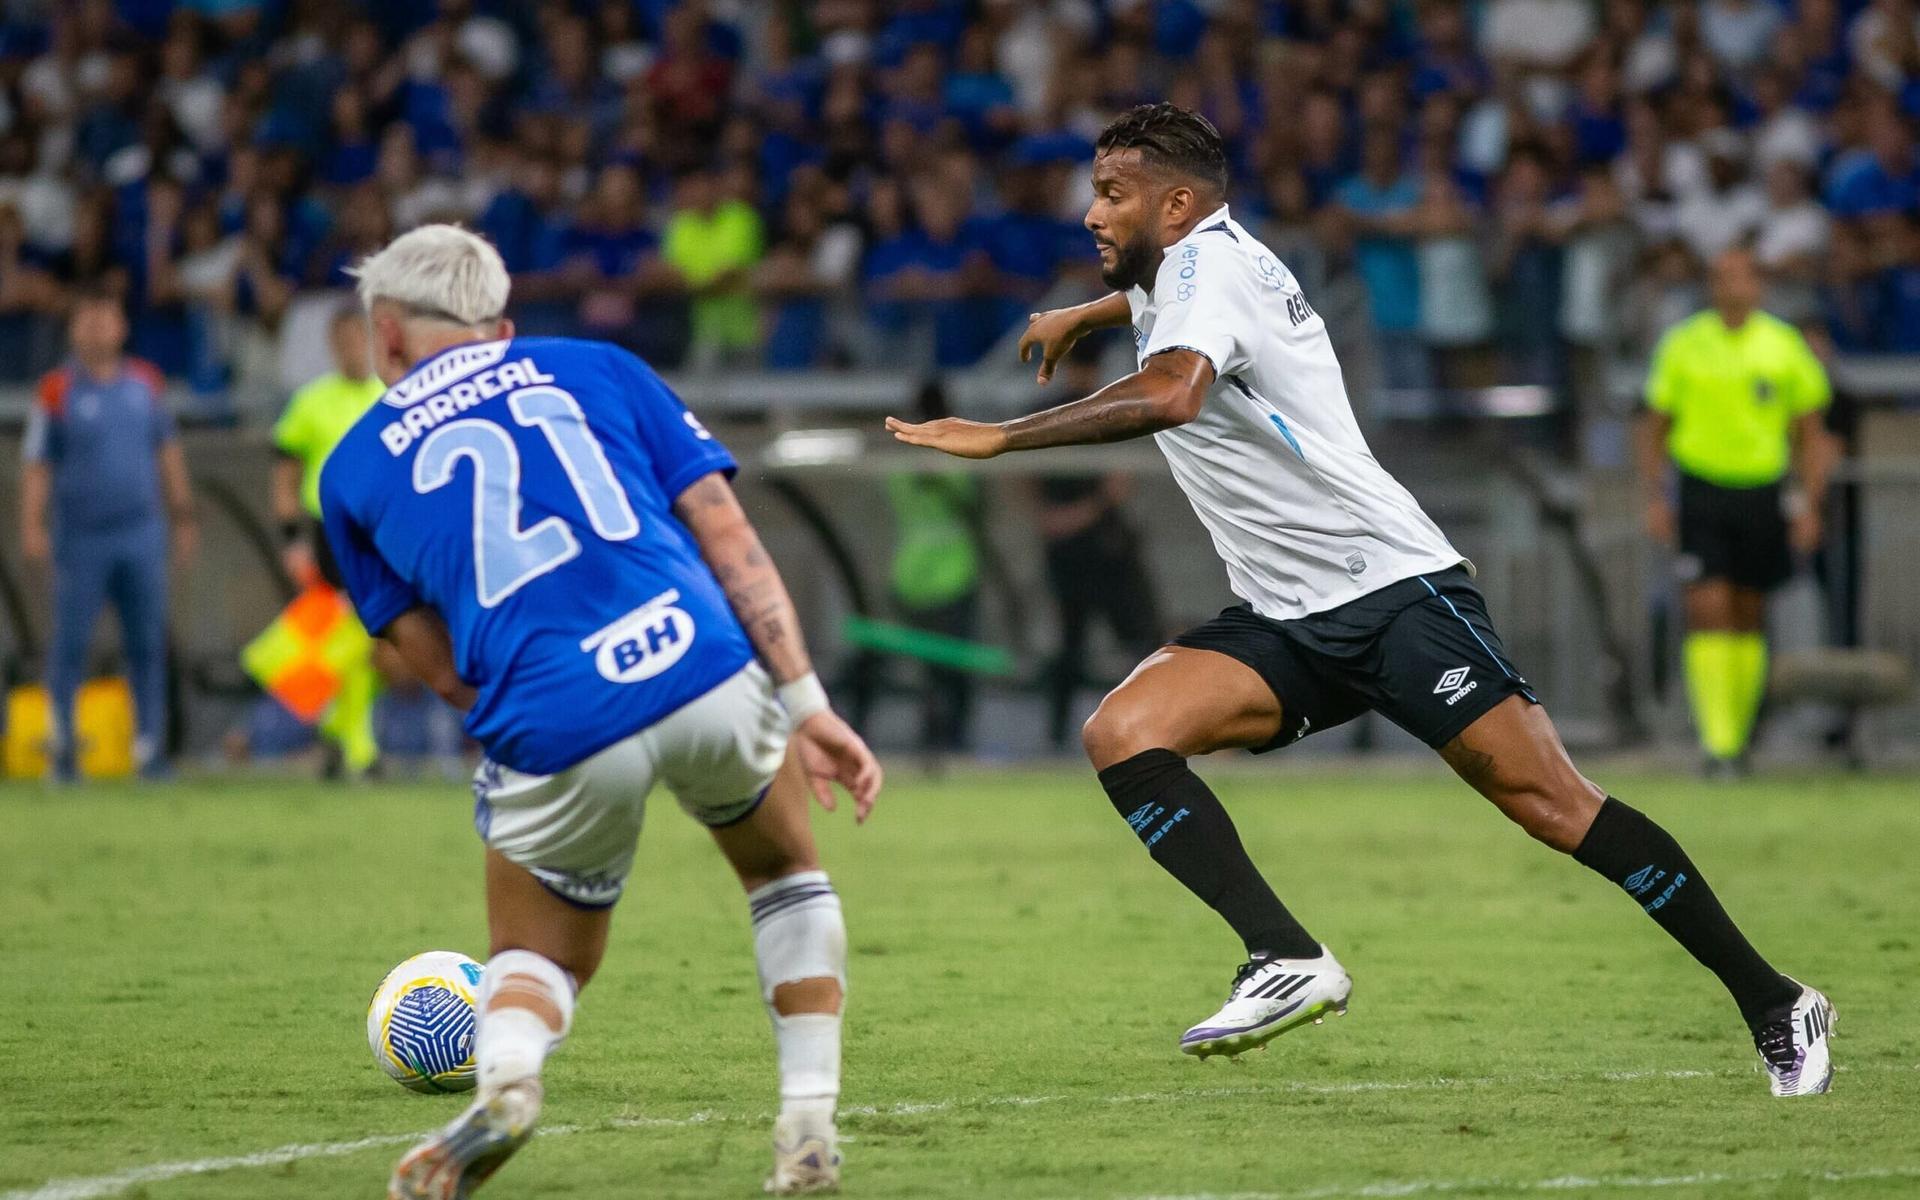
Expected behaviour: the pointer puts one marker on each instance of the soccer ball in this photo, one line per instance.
(420, 1024)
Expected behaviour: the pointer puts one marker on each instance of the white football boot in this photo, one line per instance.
(1271, 996)
(806, 1155)
(1794, 1047)
(458, 1159)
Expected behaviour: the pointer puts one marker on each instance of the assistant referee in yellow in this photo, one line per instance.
(1735, 404)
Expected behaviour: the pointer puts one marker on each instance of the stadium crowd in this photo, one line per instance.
(1499, 187)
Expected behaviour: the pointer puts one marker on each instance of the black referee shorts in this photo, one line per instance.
(1735, 534)
(1420, 652)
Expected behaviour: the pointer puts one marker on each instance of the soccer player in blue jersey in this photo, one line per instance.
(547, 535)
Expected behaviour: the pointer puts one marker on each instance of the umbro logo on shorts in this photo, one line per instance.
(1455, 681)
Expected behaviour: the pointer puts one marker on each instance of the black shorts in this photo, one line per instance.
(1735, 534)
(1420, 652)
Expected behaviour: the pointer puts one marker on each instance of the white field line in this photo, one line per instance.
(95, 1187)
(1559, 1183)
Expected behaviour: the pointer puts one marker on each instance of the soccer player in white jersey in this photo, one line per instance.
(1352, 600)
(547, 536)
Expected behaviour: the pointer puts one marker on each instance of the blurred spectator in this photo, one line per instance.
(1456, 304)
(1738, 32)
(714, 239)
(1901, 300)
(1791, 241)
(810, 266)
(926, 280)
(1031, 248)
(1379, 202)
(1527, 264)
(1783, 130)
(1850, 294)
(1600, 246)
(977, 95)
(1882, 40)
(1727, 209)
(28, 296)
(103, 482)
(1536, 33)
(612, 265)
(1880, 178)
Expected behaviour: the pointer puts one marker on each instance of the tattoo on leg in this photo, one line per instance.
(1474, 766)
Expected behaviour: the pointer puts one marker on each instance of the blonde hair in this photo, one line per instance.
(438, 273)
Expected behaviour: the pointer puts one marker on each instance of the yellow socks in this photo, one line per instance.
(1750, 665)
(1726, 678)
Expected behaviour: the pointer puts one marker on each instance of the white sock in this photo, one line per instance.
(809, 1046)
(512, 1042)
(798, 933)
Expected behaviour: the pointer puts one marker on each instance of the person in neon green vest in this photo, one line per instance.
(714, 239)
(935, 578)
(1734, 402)
(315, 420)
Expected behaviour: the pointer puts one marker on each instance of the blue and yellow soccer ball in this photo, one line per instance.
(420, 1024)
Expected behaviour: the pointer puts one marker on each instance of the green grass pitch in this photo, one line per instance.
(184, 973)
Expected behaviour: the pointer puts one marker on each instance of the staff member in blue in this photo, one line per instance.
(104, 479)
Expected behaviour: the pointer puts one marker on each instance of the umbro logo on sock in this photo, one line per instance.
(1641, 882)
(1144, 815)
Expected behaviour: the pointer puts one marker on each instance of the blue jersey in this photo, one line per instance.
(524, 490)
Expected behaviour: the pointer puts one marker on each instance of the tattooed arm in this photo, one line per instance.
(746, 572)
(827, 749)
(1165, 393)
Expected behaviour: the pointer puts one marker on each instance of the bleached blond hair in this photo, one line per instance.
(437, 273)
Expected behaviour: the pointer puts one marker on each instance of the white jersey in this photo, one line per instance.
(1274, 466)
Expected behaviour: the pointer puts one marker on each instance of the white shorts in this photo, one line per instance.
(576, 831)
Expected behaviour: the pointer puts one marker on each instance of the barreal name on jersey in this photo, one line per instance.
(426, 407)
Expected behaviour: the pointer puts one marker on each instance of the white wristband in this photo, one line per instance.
(803, 697)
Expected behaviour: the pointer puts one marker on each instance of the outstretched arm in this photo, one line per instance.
(1166, 393)
(829, 750)
(1054, 332)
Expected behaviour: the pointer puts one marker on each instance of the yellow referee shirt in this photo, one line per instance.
(317, 417)
(1733, 395)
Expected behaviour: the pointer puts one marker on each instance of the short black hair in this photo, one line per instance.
(1171, 138)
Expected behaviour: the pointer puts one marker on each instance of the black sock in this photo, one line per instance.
(1629, 849)
(1189, 834)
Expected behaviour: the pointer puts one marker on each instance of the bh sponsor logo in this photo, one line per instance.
(646, 642)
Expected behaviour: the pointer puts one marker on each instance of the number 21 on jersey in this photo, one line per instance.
(505, 556)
